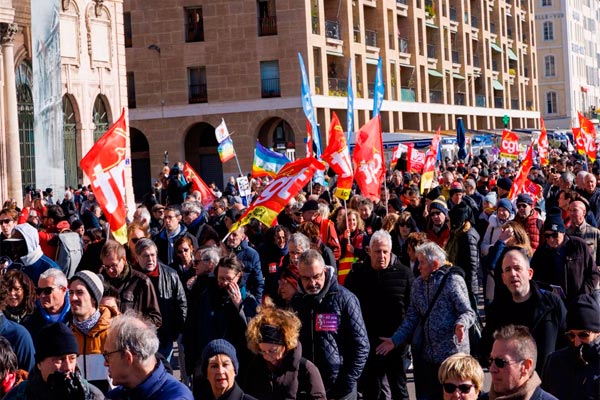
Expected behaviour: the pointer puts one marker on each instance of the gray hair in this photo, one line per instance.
(143, 244)
(142, 213)
(300, 240)
(135, 334)
(567, 177)
(382, 236)
(60, 279)
(324, 210)
(310, 256)
(192, 206)
(470, 183)
(432, 252)
(213, 253)
(521, 340)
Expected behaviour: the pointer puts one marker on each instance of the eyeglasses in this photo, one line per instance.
(522, 205)
(107, 354)
(227, 280)
(269, 353)
(15, 289)
(316, 277)
(580, 335)
(501, 363)
(5, 221)
(552, 235)
(451, 388)
(47, 291)
(198, 261)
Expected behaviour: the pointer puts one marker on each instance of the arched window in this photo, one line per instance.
(551, 105)
(100, 118)
(549, 66)
(548, 31)
(70, 142)
(23, 81)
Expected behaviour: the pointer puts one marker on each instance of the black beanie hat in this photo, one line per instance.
(554, 221)
(504, 183)
(55, 340)
(459, 214)
(434, 193)
(396, 204)
(584, 314)
(219, 346)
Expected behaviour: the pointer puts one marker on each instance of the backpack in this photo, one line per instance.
(69, 253)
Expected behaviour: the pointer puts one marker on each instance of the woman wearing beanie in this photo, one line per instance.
(219, 368)
(278, 370)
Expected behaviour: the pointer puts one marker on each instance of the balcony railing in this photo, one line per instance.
(474, 22)
(403, 45)
(431, 51)
(480, 100)
(408, 94)
(267, 26)
(453, 14)
(332, 30)
(371, 38)
(315, 25)
(270, 88)
(435, 96)
(459, 99)
(338, 87)
(498, 102)
(197, 93)
(514, 104)
(455, 57)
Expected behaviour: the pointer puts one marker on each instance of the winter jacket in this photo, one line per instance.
(374, 288)
(333, 335)
(570, 267)
(591, 236)
(571, 375)
(451, 308)
(440, 238)
(255, 281)
(35, 262)
(20, 340)
(136, 293)
(165, 243)
(463, 252)
(533, 226)
(160, 385)
(41, 318)
(171, 301)
(176, 191)
(292, 379)
(546, 323)
(235, 393)
(491, 234)
(91, 345)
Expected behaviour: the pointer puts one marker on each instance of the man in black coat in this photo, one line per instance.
(333, 334)
(382, 285)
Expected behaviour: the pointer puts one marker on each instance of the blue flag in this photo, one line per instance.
(350, 111)
(309, 111)
(379, 89)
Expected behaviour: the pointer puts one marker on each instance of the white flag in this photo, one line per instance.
(221, 131)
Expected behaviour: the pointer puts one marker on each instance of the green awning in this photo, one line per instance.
(511, 54)
(497, 85)
(431, 25)
(458, 76)
(496, 47)
(435, 73)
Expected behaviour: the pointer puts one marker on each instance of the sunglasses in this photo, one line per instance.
(552, 235)
(522, 205)
(451, 388)
(135, 240)
(580, 335)
(404, 225)
(5, 221)
(434, 213)
(47, 291)
(501, 363)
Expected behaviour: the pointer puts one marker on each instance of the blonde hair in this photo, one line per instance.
(462, 367)
(287, 321)
(389, 221)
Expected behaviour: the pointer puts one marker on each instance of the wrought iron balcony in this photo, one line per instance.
(267, 26)
(197, 93)
(270, 88)
(371, 38)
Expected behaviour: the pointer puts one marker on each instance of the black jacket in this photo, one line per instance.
(333, 335)
(383, 296)
(171, 301)
(166, 245)
(547, 324)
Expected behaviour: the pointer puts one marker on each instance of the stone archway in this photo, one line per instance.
(277, 134)
(140, 164)
(201, 153)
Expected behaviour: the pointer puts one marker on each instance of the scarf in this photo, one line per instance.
(61, 317)
(86, 326)
(523, 392)
(16, 314)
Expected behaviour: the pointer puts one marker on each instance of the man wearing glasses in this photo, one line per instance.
(541, 311)
(8, 221)
(513, 365)
(572, 373)
(529, 218)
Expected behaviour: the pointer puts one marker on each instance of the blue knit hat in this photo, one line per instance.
(505, 203)
(219, 346)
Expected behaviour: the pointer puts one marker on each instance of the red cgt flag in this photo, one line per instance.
(543, 144)
(517, 187)
(588, 132)
(104, 165)
(369, 168)
(336, 154)
(198, 184)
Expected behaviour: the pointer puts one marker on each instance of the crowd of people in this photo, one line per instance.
(336, 300)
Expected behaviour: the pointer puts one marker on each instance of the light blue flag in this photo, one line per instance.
(379, 89)
(309, 111)
(350, 111)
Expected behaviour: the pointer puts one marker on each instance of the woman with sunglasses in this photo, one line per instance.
(20, 302)
(461, 377)
(278, 370)
(183, 262)
(135, 232)
(405, 225)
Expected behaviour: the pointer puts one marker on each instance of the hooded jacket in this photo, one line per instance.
(255, 281)
(34, 262)
(333, 335)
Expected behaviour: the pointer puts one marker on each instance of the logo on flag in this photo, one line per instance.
(221, 131)
(226, 150)
(267, 162)
(207, 195)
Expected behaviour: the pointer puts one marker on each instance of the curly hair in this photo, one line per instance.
(360, 224)
(15, 275)
(270, 315)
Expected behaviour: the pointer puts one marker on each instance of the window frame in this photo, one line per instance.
(551, 103)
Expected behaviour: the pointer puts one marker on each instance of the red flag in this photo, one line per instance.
(543, 144)
(336, 154)
(588, 129)
(369, 169)
(509, 146)
(309, 141)
(518, 184)
(104, 165)
(429, 164)
(198, 184)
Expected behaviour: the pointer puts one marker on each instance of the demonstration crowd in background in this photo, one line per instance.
(335, 301)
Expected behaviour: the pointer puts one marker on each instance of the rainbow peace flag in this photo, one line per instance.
(226, 150)
(267, 162)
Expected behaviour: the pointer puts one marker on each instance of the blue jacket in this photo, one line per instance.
(158, 386)
(333, 335)
(20, 340)
(255, 281)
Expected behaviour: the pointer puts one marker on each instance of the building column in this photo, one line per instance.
(13, 151)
